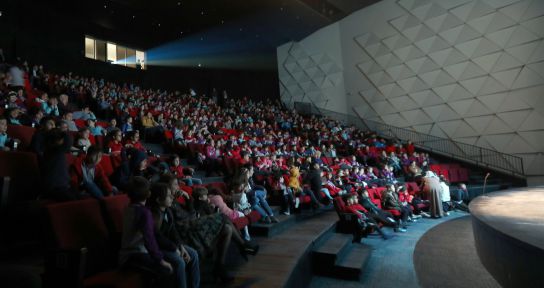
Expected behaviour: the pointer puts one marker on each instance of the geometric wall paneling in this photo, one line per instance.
(464, 130)
(523, 52)
(535, 9)
(535, 121)
(514, 119)
(297, 51)
(365, 67)
(505, 62)
(518, 145)
(432, 44)
(487, 62)
(417, 33)
(292, 67)
(472, 10)
(329, 67)
(521, 35)
(477, 109)
(376, 78)
(308, 87)
(507, 77)
(425, 129)
(499, 21)
(499, 141)
(368, 95)
(482, 142)
(481, 24)
(422, 65)
(501, 37)
(533, 163)
(497, 126)
(455, 57)
(538, 68)
(301, 76)
(527, 77)
(412, 84)
(493, 101)
(366, 39)
(468, 48)
(443, 22)
(534, 138)
(391, 90)
(538, 54)
(472, 70)
(459, 34)
(394, 119)
(412, 4)
(306, 62)
(445, 91)
(416, 117)
(318, 80)
(327, 83)
(381, 107)
(486, 47)
(335, 78)
(408, 53)
(474, 85)
(461, 107)
(492, 86)
(388, 60)
(396, 41)
(317, 57)
(420, 97)
(404, 22)
(437, 131)
(437, 78)
(398, 102)
(448, 114)
(314, 72)
(467, 140)
(440, 57)
(434, 111)
(399, 72)
(535, 25)
(449, 127)
(376, 49)
(428, 11)
(479, 123)
(516, 11)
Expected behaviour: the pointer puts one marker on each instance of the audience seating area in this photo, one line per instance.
(83, 236)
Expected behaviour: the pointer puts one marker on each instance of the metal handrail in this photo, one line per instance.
(479, 156)
(470, 153)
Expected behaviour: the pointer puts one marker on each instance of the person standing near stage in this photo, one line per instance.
(432, 188)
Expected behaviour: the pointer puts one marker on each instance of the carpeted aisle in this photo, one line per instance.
(445, 257)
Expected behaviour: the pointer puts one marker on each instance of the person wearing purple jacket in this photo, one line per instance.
(139, 246)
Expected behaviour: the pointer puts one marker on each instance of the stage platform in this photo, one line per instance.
(509, 235)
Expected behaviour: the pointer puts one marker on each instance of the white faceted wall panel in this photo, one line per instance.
(469, 70)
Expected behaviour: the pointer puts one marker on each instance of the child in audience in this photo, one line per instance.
(217, 200)
(83, 142)
(353, 206)
(184, 259)
(89, 177)
(6, 143)
(185, 174)
(139, 247)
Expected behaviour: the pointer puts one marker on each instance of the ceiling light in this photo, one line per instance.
(199, 65)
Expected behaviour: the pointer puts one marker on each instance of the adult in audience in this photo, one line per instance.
(432, 190)
(54, 167)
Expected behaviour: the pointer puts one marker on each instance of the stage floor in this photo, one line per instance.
(518, 213)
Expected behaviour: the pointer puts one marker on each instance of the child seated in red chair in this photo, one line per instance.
(366, 222)
(6, 143)
(87, 176)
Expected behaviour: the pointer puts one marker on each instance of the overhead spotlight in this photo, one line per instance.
(199, 65)
(0, 13)
(105, 6)
(179, 3)
(159, 24)
(133, 16)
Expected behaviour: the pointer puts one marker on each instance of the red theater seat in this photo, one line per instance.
(114, 208)
(23, 133)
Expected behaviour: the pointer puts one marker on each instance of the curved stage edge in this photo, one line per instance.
(509, 235)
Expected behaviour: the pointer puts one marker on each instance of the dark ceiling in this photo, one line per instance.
(260, 25)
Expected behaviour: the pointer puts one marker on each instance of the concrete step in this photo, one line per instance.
(353, 263)
(326, 255)
(269, 230)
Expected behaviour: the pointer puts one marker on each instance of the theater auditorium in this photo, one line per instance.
(272, 143)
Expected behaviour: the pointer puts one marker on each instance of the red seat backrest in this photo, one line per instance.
(106, 164)
(23, 133)
(77, 224)
(115, 207)
(24, 171)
